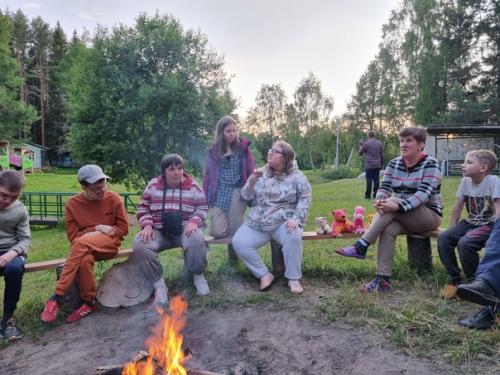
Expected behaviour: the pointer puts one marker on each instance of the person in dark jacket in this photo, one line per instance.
(373, 150)
(228, 164)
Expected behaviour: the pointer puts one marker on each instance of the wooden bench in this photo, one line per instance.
(419, 251)
(123, 253)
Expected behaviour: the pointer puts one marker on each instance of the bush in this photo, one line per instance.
(342, 172)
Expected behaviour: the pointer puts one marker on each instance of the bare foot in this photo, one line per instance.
(266, 281)
(295, 286)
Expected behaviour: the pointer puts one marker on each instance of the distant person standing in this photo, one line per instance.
(373, 150)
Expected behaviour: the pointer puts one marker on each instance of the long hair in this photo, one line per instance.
(219, 145)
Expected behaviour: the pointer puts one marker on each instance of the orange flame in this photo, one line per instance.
(165, 345)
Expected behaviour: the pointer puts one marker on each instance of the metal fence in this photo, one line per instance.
(51, 206)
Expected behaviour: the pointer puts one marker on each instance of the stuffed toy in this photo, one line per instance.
(369, 218)
(341, 224)
(322, 226)
(358, 220)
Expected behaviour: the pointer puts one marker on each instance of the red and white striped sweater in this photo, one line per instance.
(194, 203)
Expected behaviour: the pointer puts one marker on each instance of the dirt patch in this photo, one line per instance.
(264, 338)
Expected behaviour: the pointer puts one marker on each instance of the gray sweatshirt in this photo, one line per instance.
(15, 233)
(374, 154)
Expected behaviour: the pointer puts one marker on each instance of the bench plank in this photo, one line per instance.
(55, 263)
(209, 240)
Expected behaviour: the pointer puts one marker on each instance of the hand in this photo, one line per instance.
(255, 176)
(106, 229)
(146, 234)
(190, 229)
(7, 257)
(291, 225)
(386, 205)
(378, 206)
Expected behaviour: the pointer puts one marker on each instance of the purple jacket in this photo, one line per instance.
(212, 167)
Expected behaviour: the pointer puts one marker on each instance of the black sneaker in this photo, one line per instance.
(483, 319)
(11, 332)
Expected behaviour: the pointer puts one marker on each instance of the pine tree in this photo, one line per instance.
(15, 115)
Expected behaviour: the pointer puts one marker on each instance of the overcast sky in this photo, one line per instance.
(263, 41)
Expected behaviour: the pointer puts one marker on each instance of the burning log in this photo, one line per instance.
(165, 355)
(118, 369)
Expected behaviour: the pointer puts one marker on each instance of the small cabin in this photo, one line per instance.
(449, 143)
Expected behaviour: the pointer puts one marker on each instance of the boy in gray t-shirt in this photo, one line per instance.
(15, 239)
(477, 191)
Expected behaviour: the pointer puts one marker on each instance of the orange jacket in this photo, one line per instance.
(82, 215)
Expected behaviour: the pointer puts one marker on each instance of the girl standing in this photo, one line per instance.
(228, 164)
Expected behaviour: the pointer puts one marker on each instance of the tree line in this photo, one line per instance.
(127, 94)
(438, 62)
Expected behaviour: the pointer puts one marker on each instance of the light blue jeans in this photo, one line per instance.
(489, 268)
(247, 241)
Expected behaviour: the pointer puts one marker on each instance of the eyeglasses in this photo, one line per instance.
(274, 151)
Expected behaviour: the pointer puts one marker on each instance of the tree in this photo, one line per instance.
(313, 109)
(488, 31)
(40, 39)
(56, 109)
(19, 43)
(15, 115)
(140, 92)
(270, 109)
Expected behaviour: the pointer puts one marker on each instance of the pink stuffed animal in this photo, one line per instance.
(358, 220)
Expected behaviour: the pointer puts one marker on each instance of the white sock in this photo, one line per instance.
(161, 292)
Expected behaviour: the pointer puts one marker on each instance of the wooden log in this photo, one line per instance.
(117, 370)
(231, 255)
(72, 296)
(277, 259)
(419, 253)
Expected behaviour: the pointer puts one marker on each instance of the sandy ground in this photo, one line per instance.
(235, 341)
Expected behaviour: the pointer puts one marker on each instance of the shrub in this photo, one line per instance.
(342, 172)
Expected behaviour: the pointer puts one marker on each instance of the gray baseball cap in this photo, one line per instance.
(90, 173)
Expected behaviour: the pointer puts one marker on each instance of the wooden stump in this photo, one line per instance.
(231, 255)
(419, 253)
(72, 296)
(277, 259)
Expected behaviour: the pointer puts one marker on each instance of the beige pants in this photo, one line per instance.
(224, 224)
(388, 226)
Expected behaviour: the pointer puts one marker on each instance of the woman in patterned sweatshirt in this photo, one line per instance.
(407, 202)
(281, 196)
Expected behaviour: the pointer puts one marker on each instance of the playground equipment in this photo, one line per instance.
(20, 158)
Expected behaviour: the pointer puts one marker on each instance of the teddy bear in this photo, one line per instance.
(322, 225)
(358, 220)
(369, 218)
(341, 224)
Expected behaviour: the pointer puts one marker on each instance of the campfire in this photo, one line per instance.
(165, 354)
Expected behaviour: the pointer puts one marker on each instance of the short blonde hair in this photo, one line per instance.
(487, 157)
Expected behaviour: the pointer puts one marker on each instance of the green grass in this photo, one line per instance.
(412, 316)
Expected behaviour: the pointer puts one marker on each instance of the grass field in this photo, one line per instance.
(412, 316)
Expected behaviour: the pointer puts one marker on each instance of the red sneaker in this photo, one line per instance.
(81, 312)
(49, 313)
